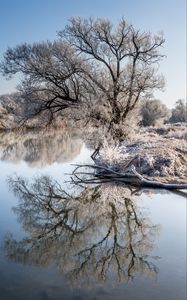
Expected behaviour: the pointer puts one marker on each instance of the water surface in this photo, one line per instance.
(58, 242)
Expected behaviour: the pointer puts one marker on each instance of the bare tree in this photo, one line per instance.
(92, 62)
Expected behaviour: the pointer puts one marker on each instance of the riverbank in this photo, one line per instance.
(156, 153)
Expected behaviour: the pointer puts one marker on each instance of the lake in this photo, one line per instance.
(59, 241)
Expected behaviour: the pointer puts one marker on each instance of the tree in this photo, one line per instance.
(91, 62)
(153, 111)
(179, 112)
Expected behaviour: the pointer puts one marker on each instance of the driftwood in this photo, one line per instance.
(101, 174)
(182, 150)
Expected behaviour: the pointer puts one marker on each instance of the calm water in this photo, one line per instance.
(58, 242)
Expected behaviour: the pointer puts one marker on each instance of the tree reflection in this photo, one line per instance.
(97, 233)
(40, 148)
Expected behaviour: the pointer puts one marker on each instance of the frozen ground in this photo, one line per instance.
(155, 152)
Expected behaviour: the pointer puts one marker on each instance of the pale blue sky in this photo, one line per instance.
(36, 20)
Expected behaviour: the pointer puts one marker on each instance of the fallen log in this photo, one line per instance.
(102, 174)
(157, 184)
(182, 150)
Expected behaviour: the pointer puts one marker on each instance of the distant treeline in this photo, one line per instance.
(14, 110)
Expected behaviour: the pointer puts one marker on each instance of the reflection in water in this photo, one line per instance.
(40, 148)
(97, 234)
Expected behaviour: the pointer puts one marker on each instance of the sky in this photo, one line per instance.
(39, 20)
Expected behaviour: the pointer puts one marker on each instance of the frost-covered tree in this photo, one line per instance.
(91, 62)
(179, 112)
(153, 111)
